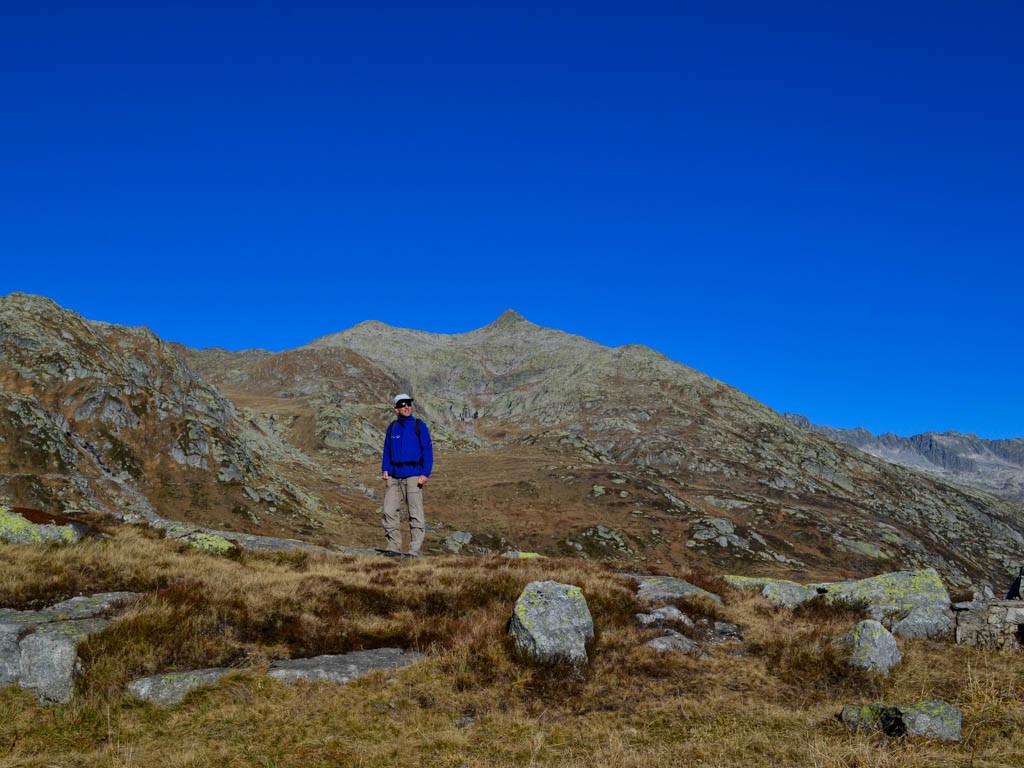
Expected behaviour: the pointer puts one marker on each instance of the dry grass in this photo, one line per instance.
(771, 700)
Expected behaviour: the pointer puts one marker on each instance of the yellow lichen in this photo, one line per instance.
(208, 542)
(15, 528)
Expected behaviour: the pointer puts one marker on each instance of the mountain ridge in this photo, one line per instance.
(546, 441)
(996, 466)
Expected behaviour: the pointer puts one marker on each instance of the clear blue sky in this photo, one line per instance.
(818, 203)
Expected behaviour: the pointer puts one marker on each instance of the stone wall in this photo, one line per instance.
(990, 624)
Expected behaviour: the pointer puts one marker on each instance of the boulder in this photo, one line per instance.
(925, 622)
(893, 597)
(779, 592)
(933, 720)
(551, 623)
(48, 657)
(872, 647)
(927, 719)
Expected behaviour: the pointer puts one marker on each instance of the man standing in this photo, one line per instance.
(406, 464)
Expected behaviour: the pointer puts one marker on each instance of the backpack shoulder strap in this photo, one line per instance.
(387, 439)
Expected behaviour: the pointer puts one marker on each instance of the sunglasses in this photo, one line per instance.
(403, 404)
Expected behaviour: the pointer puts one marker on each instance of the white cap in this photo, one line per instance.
(400, 398)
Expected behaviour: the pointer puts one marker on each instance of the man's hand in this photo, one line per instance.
(385, 477)
(423, 480)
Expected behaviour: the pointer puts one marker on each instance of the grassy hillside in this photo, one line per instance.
(770, 700)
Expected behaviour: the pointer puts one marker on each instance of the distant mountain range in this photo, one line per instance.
(992, 465)
(545, 442)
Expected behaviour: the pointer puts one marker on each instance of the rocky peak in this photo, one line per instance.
(509, 319)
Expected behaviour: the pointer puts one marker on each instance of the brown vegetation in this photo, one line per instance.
(770, 700)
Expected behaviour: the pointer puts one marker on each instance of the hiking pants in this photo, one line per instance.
(404, 491)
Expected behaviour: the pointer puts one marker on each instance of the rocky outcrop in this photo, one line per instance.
(39, 649)
(227, 542)
(912, 603)
(109, 420)
(680, 632)
(551, 623)
(27, 526)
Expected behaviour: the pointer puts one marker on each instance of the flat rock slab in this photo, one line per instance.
(342, 668)
(210, 539)
(655, 589)
(170, 689)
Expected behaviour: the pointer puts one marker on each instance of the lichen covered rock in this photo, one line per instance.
(551, 623)
(872, 647)
(515, 554)
(17, 528)
(926, 719)
(912, 603)
(895, 595)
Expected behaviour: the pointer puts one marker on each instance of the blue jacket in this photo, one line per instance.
(405, 454)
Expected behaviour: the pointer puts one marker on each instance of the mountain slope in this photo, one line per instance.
(545, 441)
(109, 419)
(719, 475)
